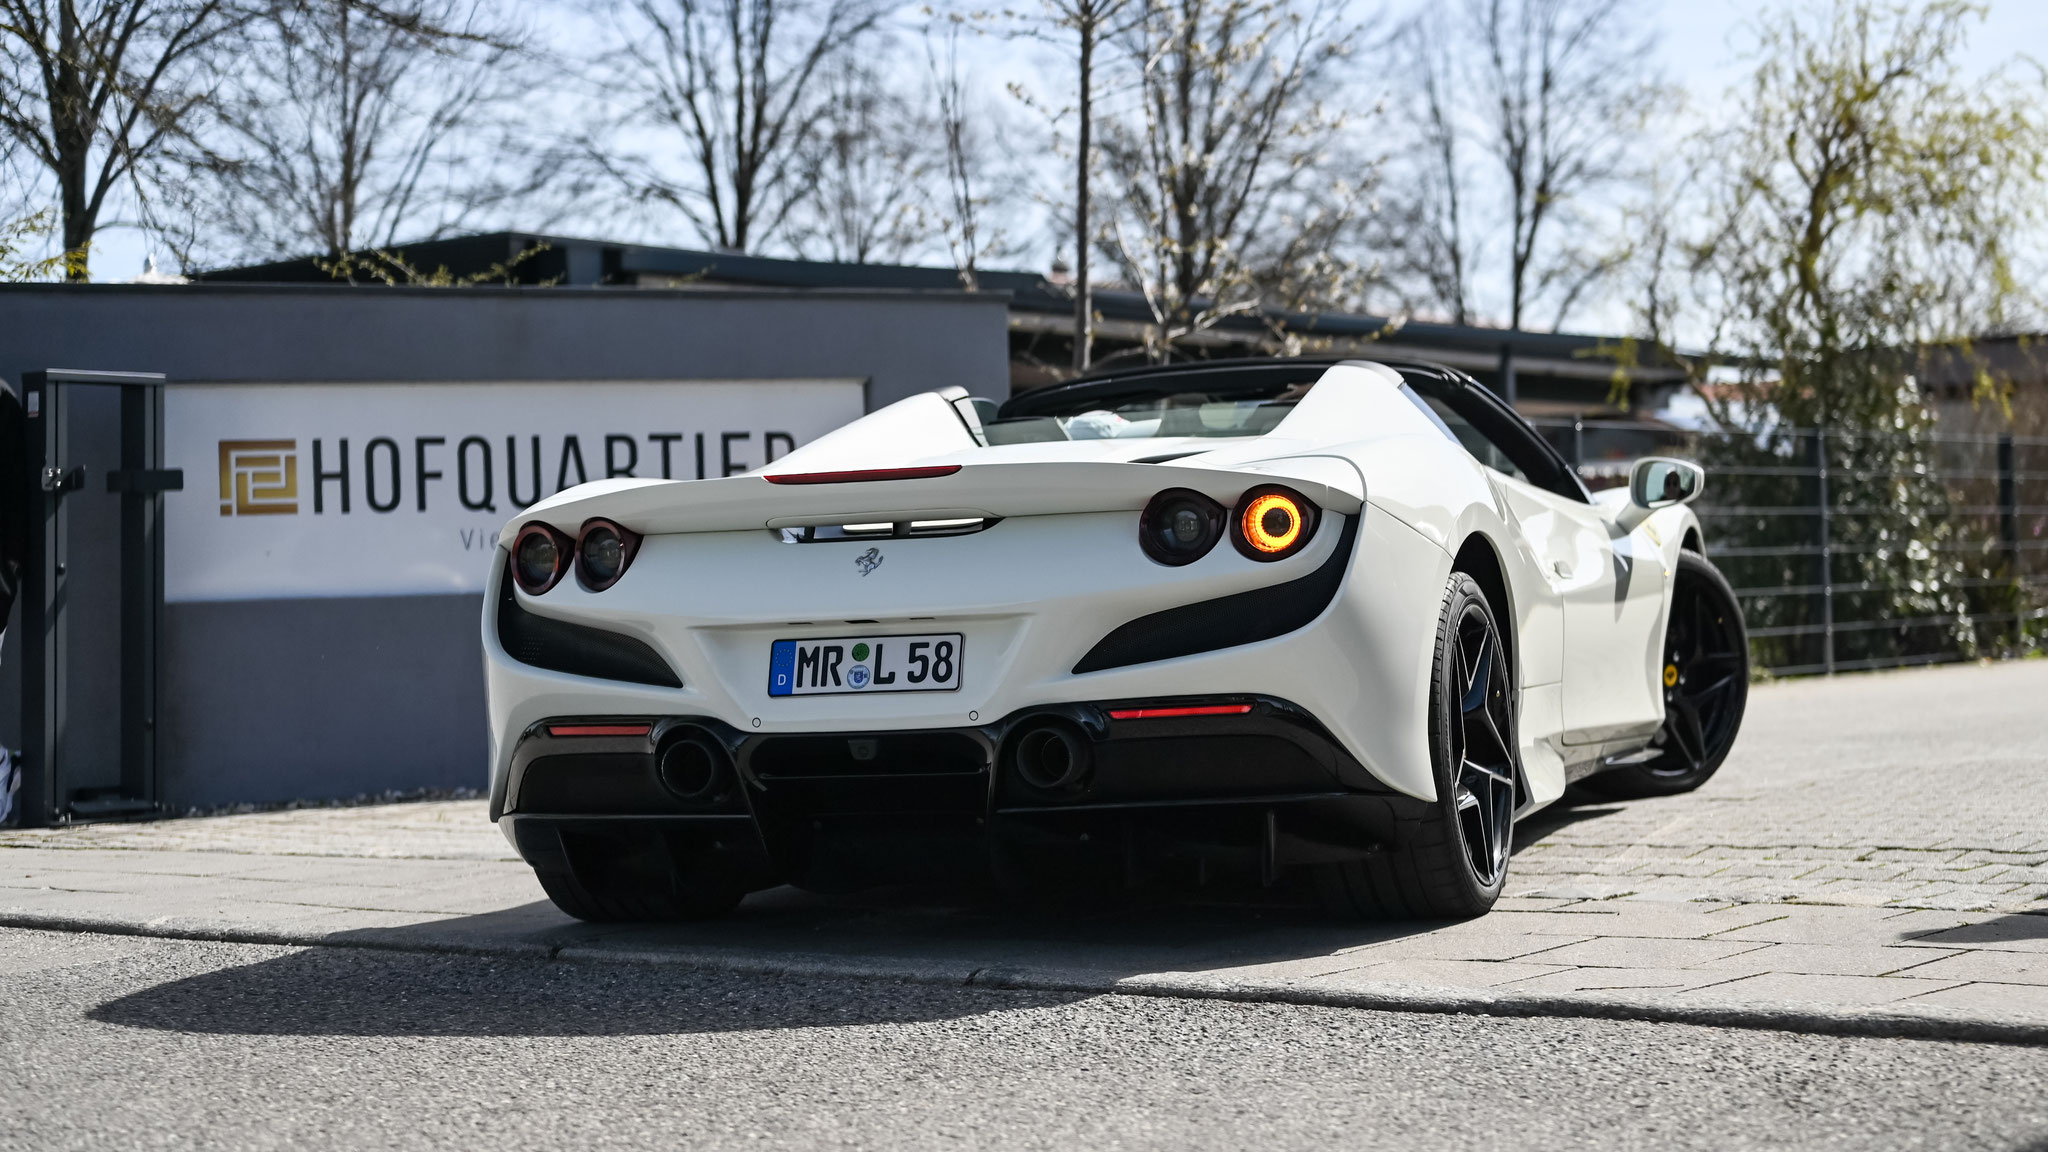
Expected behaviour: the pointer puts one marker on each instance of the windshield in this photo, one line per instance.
(1233, 413)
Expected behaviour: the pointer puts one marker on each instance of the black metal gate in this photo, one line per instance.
(92, 597)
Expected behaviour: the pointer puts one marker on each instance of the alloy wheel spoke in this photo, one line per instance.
(1482, 752)
(1483, 727)
(1682, 720)
(1479, 683)
(1488, 774)
(1721, 662)
(1697, 694)
(1702, 626)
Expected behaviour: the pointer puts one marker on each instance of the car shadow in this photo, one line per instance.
(1574, 807)
(2012, 928)
(364, 992)
(488, 974)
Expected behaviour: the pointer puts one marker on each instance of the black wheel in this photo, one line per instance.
(1706, 685)
(1454, 861)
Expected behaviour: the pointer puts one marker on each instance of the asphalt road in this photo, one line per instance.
(128, 1042)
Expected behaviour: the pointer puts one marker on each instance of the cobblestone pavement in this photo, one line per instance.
(1917, 789)
(425, 830)
(1874, 845)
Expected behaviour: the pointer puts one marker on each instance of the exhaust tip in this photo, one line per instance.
(693, 765)
(1052, 756)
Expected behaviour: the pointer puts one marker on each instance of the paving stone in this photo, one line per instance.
(1531, 904)
(1995, 967)
(1859, 873)
(1797, 988)
(1921, 857)
(1439, 973)
(156, 863)
(2023, 858)
(1830, 960)
(2004, 934)
(1692, 920)
(1586, 890)
(1770, 869)
(1633, 980)
(1455, 946)
(2021, 1002)
(1643, 952)
(1812, 924)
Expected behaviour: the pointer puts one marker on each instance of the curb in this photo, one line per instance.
(1809, 1019)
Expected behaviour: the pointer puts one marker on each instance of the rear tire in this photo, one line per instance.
(1453, 862)
(1706, 673)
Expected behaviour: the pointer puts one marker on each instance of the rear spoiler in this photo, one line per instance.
(944, 492)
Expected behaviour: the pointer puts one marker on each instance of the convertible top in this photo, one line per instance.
(1267, 377)
(1249, 376)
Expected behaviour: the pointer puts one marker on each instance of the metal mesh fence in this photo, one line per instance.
(1854, 551)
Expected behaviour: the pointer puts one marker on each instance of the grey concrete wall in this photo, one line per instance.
(271, 700)
(274, 700)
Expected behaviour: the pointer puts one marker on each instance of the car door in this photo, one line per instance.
(1611, 586)
(1609, 602)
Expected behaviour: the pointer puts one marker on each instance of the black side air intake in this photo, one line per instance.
(1227, 621)
(559, 646)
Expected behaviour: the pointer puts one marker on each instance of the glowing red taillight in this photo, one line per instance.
(1171, 713)
(599, 729)
(865, 475)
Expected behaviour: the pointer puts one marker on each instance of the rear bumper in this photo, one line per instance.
(1267, 786)
(1034, 599)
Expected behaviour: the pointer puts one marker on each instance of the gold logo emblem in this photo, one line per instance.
(259, 477)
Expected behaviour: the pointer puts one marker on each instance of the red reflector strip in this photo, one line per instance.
(599, 729)
(865, 475)
(1169, 713)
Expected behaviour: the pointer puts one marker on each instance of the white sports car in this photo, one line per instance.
(1346, 620)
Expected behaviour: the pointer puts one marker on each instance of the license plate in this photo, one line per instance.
(865, 664)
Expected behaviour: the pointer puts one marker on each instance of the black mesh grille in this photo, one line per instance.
(882, 754)
(1226, 621)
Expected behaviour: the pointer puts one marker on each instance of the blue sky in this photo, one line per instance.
(1700, 38)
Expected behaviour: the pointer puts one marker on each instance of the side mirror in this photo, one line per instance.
(1658, 481)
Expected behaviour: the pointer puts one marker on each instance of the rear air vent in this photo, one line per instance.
(560, 646)
(1227, 621)
(884, 530)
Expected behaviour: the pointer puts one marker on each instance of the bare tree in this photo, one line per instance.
(1091, 23)
(1568, 86)
(975, 164)
(1230, 189)
(351, 122)
(1423, 226)
(1522, 115)
(728, 85)
(868, 164)
(94, 89)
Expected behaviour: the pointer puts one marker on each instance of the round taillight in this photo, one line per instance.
(1179, 526)
(603, 549)
(539, 557)
(1272, 523)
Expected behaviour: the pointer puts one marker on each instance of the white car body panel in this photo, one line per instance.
(714, 583)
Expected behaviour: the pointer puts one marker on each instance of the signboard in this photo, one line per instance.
(320, 490)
